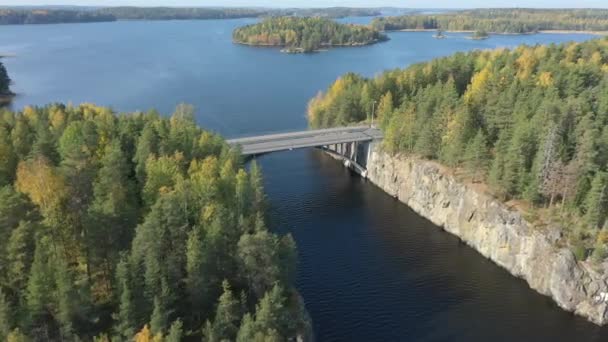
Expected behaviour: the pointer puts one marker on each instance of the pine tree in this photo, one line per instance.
(596, 203)
(227, 316)
(196, 283)
(125, 317)
(243, 193)
(175, 332)
(476, 156)
(20, 252)
(147, 146)
(66, 298)
(271, 313)
(5, 317)
(247, 330)
(385, 109)
(259, 259)
(8, 159)
(39, 289)
(112, 213)
(257, 186)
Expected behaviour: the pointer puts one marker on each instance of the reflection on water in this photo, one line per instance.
(373, 270)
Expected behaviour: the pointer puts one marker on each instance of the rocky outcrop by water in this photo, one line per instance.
(496, 231)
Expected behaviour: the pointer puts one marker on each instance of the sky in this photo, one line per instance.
(323, 3)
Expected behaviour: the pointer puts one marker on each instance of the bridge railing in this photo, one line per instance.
(290, 133)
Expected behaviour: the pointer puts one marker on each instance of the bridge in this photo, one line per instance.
(351, 144)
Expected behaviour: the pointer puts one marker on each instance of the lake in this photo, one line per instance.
(370, 269)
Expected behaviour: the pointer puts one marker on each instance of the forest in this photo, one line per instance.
(529, 124)
(177, 13)
(135, 226)
(43, 16)
(306, 33)
(172, 13)
(501, 20)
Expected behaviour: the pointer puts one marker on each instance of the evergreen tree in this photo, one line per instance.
(159, 319)
(8, 158)
(66, 297)
(196, 283)
(125, 317)
(247, 330)
(19, 255)
(227, 316)
(175, 332)
(596, 203)
(476, 156)
(270, 313)
(39, 290)
(5, 317)
(147, 146)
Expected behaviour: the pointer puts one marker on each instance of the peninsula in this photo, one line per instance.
(518, 142)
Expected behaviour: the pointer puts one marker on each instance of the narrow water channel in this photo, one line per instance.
(373, 270)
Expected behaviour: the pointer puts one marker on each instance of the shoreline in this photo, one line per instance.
(6, 99)
(496, 230)
(598, 33)
(298, 50)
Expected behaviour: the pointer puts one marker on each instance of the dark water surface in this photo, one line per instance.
(370, 268)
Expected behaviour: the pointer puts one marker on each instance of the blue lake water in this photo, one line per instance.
(370, 269)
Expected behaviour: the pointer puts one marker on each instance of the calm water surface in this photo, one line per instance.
(370, 268)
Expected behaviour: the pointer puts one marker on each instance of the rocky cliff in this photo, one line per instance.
(496, 231)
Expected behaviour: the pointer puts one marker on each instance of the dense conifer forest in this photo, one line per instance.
(116, 226)
(531, 123)
(306, 33)
(501, 20)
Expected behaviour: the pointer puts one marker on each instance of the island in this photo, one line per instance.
(439, 35)
(511, 21)
(306, 34)
(5, 92)
(505, 148)
(479, 35)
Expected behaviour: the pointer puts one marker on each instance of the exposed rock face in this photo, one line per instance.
(497, 232)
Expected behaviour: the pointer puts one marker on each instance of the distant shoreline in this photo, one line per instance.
(6, 99)
(599, 33)
(298, 50)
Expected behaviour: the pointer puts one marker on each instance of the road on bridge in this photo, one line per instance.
(303, 139)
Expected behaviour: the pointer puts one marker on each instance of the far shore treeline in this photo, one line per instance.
(501, 21)
(530, 123)
(19, 15)
(133, 226)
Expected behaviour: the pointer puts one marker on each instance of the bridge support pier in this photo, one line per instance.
(354, 155)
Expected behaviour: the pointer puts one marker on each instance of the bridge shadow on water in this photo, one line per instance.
(373, 270)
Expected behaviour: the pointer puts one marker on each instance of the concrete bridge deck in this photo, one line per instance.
(313, 138)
